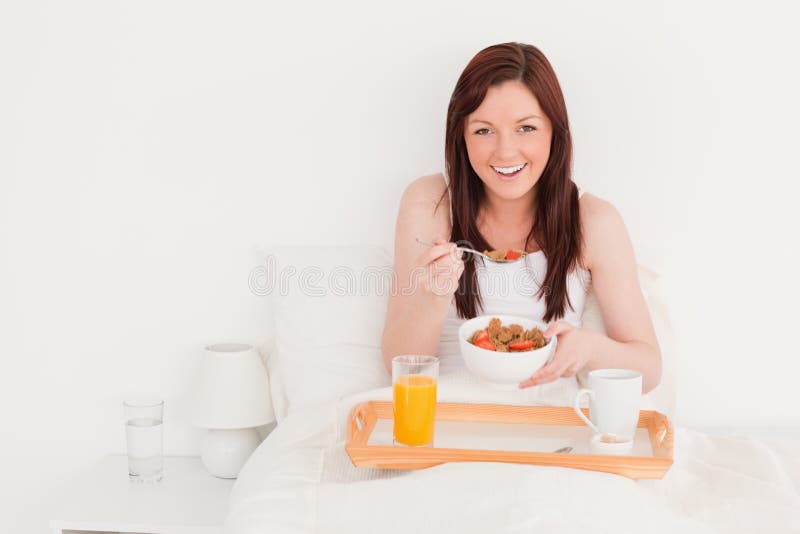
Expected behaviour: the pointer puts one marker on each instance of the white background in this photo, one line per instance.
(145, 147)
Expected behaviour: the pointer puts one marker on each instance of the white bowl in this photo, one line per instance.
(503, 370)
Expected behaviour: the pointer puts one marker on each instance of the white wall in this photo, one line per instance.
(146, 146)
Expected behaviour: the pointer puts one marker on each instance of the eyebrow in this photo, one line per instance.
(520, 120)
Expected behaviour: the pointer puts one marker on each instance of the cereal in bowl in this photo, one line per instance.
(512, 338)
(503, 254)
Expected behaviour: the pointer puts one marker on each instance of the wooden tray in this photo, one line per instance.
(655, 428)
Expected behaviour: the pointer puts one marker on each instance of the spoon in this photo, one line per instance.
(470, 250)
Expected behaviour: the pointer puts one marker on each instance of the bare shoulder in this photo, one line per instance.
(595, 209)
(603, 229)
(426, 188)
(421, 216)
(426, 197)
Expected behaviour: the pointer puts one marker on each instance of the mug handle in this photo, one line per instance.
(577, 407)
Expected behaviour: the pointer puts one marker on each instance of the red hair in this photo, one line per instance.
(556, 226)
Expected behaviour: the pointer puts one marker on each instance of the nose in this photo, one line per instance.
(506, 148)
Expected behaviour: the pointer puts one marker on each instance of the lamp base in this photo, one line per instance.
(224, 452)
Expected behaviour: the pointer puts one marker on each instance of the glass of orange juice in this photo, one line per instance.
(414, 381)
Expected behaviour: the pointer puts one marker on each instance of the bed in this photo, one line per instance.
(324, 358)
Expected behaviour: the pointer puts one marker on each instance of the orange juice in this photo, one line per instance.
(414, 409)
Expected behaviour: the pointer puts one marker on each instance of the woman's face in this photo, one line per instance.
(508, 140)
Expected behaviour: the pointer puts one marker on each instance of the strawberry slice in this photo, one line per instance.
(522, 345)
(485, 344)
(512, 254)
(483, 334)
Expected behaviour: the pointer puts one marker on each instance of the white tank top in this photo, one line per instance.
(510, 289)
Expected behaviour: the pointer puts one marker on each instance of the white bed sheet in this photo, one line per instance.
(300, 480)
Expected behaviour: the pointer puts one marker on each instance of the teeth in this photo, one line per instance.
(508, 170)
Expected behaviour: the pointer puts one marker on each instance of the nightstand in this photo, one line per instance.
(189, 500)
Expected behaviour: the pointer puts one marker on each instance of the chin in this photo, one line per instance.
(510, 190)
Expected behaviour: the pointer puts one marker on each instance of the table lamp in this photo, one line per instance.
(231, 400)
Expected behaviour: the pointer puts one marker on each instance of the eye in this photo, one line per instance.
(482, 131)
(527, 128)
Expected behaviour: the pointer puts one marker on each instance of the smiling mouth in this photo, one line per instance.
(508, 172)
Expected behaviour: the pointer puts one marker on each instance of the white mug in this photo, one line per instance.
(614, 399)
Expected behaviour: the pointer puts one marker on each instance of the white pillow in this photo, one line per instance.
(663, 397)
(328, 305)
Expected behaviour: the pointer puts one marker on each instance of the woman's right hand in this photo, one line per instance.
(440, 268)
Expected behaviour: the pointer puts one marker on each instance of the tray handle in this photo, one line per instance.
(358, 427)
(664, 431)
(359, 421)
(663, 434)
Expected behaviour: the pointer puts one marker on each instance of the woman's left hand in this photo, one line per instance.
(572, 354)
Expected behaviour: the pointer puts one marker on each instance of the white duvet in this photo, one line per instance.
(300, 480)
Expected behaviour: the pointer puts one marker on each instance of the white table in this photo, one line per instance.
(189, 500)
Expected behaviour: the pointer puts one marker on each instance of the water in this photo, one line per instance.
(145, 444)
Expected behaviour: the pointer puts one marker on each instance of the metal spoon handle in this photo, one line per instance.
(465, 249)
(426, 243)
(471, 251)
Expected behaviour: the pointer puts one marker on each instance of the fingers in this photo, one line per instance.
(444, 267)
(448, 261)
(444, 256)
(448, 267)
(557, 368)
(561, 365)
(571, 371)
(441, 249)
(557, 328)
(526, 384)
(549, 372)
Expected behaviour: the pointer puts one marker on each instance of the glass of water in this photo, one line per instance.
(144, 432)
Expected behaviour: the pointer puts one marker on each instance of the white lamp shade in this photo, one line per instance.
(232, 389)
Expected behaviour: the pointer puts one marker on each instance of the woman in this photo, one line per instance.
(508, 183)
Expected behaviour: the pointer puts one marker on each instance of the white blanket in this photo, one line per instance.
(300, 480)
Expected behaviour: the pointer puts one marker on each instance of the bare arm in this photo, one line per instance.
(424, 278)
(630, 341)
